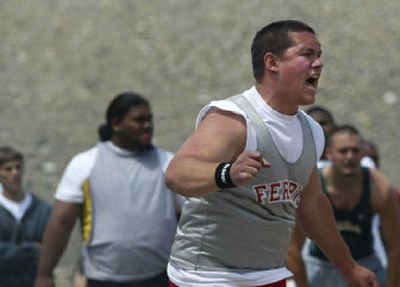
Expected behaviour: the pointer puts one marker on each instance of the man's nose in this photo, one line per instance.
(350, 154)
(16, 171)
(318, 63)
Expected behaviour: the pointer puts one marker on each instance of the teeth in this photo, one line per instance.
(313, 79)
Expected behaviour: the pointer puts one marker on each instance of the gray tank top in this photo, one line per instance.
(247, 228)
(133, 216)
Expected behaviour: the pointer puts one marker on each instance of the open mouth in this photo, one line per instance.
(313, 81)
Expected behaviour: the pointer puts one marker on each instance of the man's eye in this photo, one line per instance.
(142, 119)
(308, 54)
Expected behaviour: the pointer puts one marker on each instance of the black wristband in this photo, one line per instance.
(222, 175)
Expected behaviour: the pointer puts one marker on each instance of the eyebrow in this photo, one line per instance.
(307, 49)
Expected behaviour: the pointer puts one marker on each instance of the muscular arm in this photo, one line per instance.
(294, 261)
(55, 239)
(385, 204)
(220, 137)
(316, 219)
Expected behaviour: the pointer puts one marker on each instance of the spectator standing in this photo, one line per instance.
(117, 188)
(23, 218)
(356, 193)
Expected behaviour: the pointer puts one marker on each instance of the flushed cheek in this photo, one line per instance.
(299, 69)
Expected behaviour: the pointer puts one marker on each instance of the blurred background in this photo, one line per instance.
(61, 62)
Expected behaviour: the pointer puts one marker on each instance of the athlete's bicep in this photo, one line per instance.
(220, 136)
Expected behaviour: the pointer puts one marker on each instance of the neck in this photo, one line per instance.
(340, 180)
(276, 100)
(128, 147)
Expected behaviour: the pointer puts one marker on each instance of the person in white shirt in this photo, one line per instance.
(23, 218)
(128, 215)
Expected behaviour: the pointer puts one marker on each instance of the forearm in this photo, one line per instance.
(191, 177)
(318, 223)
(294, 260)
(54, 242)
(56, 236)
(295, 264)
(393, 276)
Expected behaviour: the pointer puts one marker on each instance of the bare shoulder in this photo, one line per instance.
(379, 179)
(223, 115)
(383, 192)
(222, 125)
(219, 133)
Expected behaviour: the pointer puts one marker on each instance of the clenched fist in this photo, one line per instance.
(246, 166)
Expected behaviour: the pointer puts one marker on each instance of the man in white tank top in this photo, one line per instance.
(221, 164)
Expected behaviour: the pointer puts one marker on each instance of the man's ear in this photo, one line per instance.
(115, 124)
(271, 62)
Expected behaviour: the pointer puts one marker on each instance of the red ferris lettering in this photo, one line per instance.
(281, 191)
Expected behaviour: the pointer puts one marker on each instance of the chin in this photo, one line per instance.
(311, 99)
(308, 100)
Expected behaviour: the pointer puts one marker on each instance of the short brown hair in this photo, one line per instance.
(8, 153)
(349, 129)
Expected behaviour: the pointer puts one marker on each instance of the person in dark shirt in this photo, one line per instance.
(23, 218)
(356, 194)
